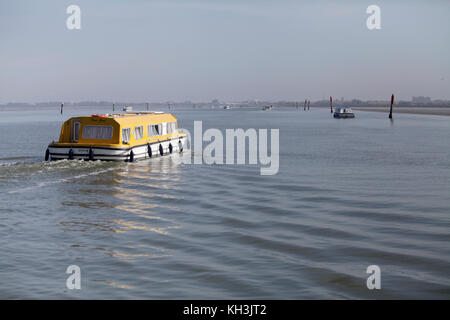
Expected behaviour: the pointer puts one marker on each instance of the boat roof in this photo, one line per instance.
(134, 117)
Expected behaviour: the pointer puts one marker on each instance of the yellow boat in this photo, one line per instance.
(118, 137)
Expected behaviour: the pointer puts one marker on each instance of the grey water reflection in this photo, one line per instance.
(348, 194)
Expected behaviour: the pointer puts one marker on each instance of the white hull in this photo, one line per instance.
(118, 154)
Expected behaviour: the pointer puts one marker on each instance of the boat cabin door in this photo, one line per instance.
(75, 131)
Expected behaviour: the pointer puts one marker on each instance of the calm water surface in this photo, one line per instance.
(349, 194)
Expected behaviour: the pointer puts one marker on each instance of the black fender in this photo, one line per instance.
(131, 156)
(47, 154)
(91, 153)
(71, 154)
(149, 150)
(170, 148)
(161, 150)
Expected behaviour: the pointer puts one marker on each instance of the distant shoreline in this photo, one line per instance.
(443, 110)
(408, 110)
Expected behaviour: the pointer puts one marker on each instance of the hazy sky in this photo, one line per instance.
(180, 50)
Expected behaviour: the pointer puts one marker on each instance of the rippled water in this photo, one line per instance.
(349, 194)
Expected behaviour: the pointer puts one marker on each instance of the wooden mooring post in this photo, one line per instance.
(392, 103)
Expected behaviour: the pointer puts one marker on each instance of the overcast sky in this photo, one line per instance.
(140, 50)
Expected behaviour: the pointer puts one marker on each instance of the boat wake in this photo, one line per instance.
(39, 174)
(63, 180)
(46, 173)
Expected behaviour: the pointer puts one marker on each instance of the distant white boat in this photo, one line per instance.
(267, 107)
(343, 112)
(227, 107)
(127, 109)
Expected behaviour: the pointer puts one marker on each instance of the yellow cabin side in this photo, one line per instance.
(153, 127)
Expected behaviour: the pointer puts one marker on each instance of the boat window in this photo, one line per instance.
(150, 130)
(75, 130)
(125, 134)
(97, 132)
(154, 130)
(138, 132)
(171, 127)
(164, 128)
